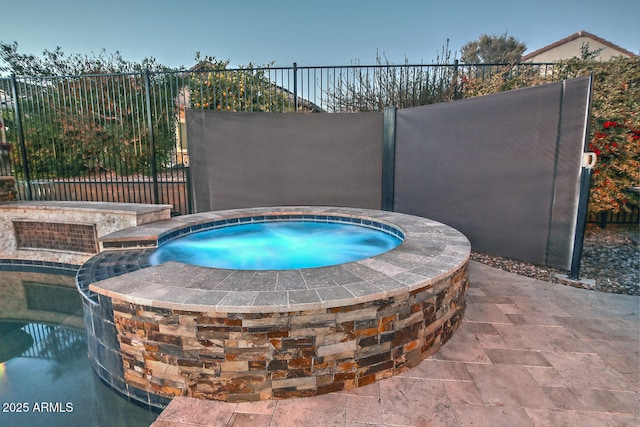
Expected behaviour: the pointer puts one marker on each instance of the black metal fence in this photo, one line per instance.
(122, 137)
(631, 216)
(55, 343)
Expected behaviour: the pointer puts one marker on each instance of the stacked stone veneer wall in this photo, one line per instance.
(255, 356)
(67, 232)
(58, 236)
(104, 353)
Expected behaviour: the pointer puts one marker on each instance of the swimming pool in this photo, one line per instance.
(46, 378)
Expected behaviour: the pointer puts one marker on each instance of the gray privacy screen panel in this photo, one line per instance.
(490, 166)
(573, 132)
(266, 159)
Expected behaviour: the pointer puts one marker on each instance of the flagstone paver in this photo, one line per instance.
(529, 353)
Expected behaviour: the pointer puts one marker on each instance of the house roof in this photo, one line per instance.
(575, 36)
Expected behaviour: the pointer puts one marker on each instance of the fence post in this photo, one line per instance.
(455, 79)
(154, 168)
(388, 157)
(583, 206)
(295, 87)
(583, 198)
(23, 146)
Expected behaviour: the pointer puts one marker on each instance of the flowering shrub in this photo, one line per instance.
(617, 146)
(615, 133)
(213, 86)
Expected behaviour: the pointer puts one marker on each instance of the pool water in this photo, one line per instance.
(46, 378)
(277, 246)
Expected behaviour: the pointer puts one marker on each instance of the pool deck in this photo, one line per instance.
(529, 353)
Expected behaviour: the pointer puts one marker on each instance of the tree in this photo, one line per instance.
(364, 88)
(57, 63)
(87, 113)
(213, 86)
(493, 49)
(96, 113)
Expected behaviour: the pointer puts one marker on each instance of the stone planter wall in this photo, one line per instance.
(255, 356)
(66, 232)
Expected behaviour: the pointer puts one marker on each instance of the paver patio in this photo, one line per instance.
(529, 353)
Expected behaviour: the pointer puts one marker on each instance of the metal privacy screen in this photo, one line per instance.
(504, 169)
(243, 160)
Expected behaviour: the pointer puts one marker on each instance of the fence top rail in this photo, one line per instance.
(454, 64)
(284, 68)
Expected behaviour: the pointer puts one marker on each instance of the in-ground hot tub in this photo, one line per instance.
(281, 243)
(250, 334)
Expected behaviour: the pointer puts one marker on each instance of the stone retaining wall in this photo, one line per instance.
(67, 232)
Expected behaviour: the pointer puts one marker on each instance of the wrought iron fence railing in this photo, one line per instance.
(122, 137)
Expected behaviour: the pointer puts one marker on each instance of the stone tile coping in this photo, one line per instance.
(87, 206)
(431, 251)
(39, 266)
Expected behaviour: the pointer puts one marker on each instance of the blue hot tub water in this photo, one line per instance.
(277, 245)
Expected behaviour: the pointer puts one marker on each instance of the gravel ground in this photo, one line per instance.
(610, 258)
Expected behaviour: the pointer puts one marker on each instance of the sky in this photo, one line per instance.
(310, 33)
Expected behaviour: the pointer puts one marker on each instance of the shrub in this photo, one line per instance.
(213, 86)
(92, 124)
